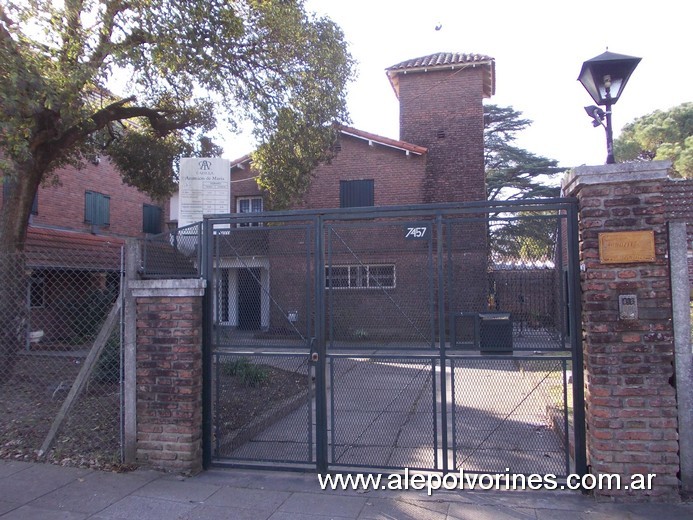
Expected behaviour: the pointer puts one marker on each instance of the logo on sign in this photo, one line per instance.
(204, 165)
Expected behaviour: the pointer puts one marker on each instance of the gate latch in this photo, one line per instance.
(313, 354)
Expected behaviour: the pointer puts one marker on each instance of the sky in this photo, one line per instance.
(538, 46)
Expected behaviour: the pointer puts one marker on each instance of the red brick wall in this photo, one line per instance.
(451, 103)
(631, 412)
(63, 205)
(169, 382)
(398, 178)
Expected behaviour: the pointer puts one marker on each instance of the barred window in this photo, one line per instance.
(360, 276)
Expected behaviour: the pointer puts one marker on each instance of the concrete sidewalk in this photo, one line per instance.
(42, 491)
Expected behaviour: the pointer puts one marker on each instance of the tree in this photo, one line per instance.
(264, 60)
(660, 135)
(177, 62)
(513, 173)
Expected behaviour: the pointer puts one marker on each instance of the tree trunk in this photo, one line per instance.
(14, 276)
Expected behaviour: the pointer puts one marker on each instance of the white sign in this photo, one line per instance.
(205, 188)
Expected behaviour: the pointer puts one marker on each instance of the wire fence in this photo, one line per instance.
(60, 356)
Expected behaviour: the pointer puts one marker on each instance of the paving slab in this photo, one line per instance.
(145, 508)
(183, 491)
(93, 492)
(39, 479)
(40, 513)
(316, 504)
(244, 494)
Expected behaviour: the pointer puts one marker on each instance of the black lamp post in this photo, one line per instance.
(604, 77)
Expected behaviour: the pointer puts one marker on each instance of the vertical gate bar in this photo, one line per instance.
(307, 330)
(453, 417)
(564, 364)
(435, 419)
(562, 308)
(431, 289)
(320, 365)
(330, 300)
(217, 401)
(441, 332)
(207, 307)
(332, 416)
(576, 342)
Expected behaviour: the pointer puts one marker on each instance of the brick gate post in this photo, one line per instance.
(169, 373)
(630, 398)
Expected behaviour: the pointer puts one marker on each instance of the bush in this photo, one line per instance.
(248, 373)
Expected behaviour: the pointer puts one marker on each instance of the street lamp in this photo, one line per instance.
(604, 77)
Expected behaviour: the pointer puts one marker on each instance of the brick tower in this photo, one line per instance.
(440, 102)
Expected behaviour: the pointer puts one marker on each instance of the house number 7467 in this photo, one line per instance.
(416, 232)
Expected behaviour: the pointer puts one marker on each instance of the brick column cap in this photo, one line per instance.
(580, 176)
(167, 288)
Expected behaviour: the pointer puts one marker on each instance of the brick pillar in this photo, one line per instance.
(630, 400)
(169, 373)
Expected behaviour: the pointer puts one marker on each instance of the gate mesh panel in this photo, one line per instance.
(382, 412)
(53, 305)
(379, 285)
(263, 408)
(263, 286)
(175, 254)
(505, 413)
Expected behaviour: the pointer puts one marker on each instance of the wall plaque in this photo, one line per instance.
(624, 247)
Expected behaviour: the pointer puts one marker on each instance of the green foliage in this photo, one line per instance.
(248, 373)
(661, 135)
(513, 173)
(183, 66)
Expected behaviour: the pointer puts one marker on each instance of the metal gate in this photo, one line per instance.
(424, 337)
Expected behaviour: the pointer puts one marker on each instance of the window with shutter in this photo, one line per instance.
(355, 194)
(151, 219)
(97, 209)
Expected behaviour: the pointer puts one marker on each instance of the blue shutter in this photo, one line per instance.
(105, 210)
(89, 210)
(355, 194)
(97, 209)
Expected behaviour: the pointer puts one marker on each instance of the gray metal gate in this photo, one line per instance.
(423, 337)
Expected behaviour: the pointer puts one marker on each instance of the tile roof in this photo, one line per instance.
(441, 60)
(445, 61)
(360, 134)
(47, 247)
(385, 141)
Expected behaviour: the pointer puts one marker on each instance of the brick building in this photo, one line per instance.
(437, 158)
(72, 252)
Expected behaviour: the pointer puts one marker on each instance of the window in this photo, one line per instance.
(249, 205)
(97, 209)
(7, 186)
(354, 194)
(360, 277)
(36, 291)
(151, 219)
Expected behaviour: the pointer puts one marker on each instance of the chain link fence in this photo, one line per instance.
(60, 356)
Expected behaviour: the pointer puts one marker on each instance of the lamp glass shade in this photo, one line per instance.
(617, 67)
